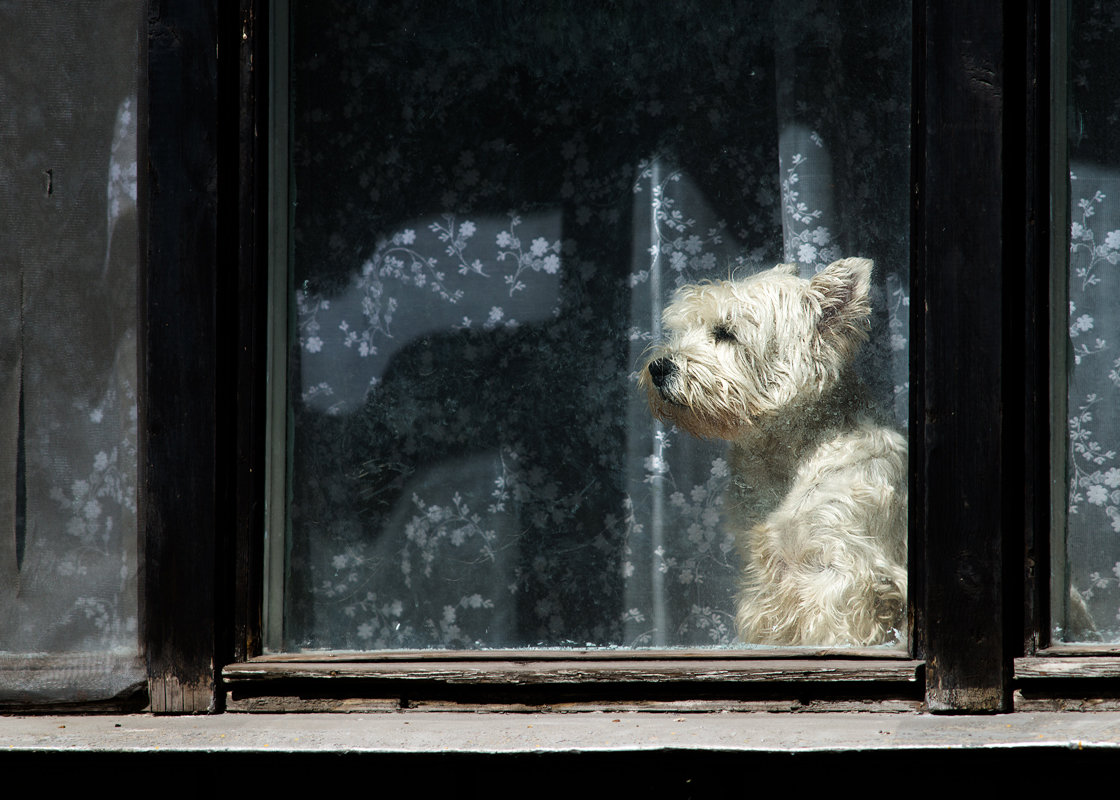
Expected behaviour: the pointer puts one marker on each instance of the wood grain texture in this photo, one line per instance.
(178, 400)
(957, 453)
(249, 314)
(580, 671)
(279, 703)
(1030, 667)
(1041, 425)
(168, 695)
(533, 654)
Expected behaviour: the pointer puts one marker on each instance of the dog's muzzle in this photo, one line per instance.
(661, 371)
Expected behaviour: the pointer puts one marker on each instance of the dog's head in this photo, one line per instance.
(737, 352)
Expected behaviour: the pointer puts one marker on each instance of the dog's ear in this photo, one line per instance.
(843, 289)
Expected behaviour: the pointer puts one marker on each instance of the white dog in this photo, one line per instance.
(818, 492)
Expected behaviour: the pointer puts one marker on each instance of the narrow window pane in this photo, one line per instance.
(1087, 569)
(486, 214)
(68, 377)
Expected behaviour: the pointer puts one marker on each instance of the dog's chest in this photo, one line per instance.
(761, 476)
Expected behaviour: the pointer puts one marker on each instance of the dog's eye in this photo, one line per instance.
(722, 333)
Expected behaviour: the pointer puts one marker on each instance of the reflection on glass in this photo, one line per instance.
(69, 256)
(488, 215)
(1087, 570)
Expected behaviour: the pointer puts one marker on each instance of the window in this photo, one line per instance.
(980, 445)
(1086, 593)
(68, 340)
(486, 215)
(1069, 659)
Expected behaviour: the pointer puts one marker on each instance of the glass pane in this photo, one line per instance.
(1087, 569)
(486, 216)
(68, 278)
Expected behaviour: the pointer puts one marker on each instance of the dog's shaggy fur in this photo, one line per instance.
(818, 493)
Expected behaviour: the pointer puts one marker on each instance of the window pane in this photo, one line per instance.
(486, 215)
(1087, 569)
(68, 278)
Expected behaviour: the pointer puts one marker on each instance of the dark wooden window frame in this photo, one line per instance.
(980, 434)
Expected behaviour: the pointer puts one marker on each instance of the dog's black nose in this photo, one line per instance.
(661, 370)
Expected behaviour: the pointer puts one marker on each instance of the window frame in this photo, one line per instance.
(973, 535)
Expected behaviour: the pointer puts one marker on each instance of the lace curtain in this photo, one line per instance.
(1092, 564)
(68, 532)
(488, 211)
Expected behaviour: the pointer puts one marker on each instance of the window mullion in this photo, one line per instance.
(959, 490)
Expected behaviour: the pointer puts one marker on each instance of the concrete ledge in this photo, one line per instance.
(619, 732)
(591, 754)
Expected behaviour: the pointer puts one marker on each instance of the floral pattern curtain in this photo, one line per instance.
(68, 256)
(488, 211)
(1090, 611)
